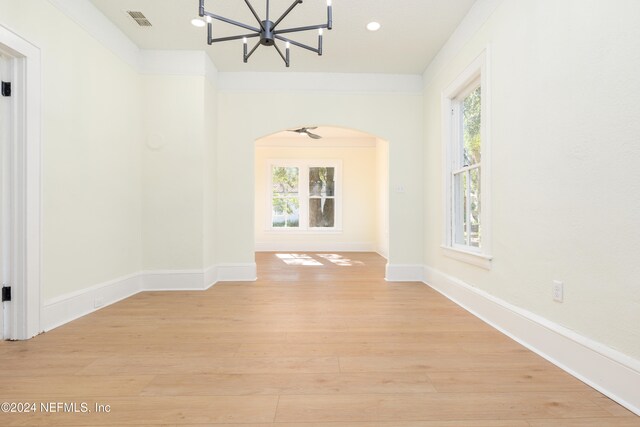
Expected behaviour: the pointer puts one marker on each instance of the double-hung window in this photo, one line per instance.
(466, 169)
(465, 145)
(304, 195)
(285, 197)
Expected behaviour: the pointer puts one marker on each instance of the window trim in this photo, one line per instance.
(476, 73)
(303, 194)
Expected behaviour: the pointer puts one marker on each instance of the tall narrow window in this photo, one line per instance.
(285, 199)
(466, 146)
(466, 174)
(321, 197)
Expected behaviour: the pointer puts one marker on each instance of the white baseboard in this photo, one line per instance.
(612, 373)
(404, 273)
(608, 371)
(312, 246)
(210, 276)
(63, 309)
(382, 251)
(237, 272)
(68, 307)
(174, 280)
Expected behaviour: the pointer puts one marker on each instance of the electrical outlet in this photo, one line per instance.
(98, 302)
(558, 291)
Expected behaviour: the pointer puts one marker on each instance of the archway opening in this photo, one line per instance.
(321, 196)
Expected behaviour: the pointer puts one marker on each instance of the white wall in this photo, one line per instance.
(210, 188)
(382, 197)
(91, 133)
(565, 184)
(359, 192)
(393, 116)
(564, 138)
(173, 172)
(129, 151)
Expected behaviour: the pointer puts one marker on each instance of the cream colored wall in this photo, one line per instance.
(91, 133)
(359, 207)
(174, 172)
(395, 117)
(382, 197)
(210, 185)
(128, 159)
(564, 124)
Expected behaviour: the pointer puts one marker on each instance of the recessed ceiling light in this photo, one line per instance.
(197, 22)
(373, 26)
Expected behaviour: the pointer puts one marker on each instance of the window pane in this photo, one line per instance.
(459, 217)
(474, 206)
(321, 182)
(471, 114)
(286, 212)
(285, 180)
(321, 212)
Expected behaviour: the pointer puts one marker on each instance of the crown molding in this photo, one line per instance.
(320, 82)
(88, 17)
(178, 63)
(149, 62)
(479, 13)
(198, 63)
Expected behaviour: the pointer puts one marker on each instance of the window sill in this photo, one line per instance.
(474, 258)
(303, 232)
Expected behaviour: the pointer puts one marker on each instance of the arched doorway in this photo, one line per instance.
(327, 192)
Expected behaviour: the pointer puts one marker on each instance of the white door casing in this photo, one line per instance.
(5, 174)
(21, 187)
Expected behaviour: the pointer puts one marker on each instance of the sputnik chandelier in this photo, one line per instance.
(268, 31)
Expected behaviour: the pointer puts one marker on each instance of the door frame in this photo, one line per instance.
(25, 309)
(6, 127)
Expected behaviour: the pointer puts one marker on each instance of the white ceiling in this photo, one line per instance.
(413, 31)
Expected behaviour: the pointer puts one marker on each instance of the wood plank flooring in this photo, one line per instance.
(320, 340)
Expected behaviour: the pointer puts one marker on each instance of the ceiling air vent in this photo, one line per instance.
(139, 18)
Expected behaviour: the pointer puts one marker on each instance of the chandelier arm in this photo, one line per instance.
(295, 3)
(286, 60)
(255, 15)
(225, 39)
(232, 22)
(267, 30)
(295, 30)
(251, 53)
(295, 43)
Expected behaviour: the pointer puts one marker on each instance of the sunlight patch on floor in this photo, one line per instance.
(340, 260)
(310, 260)
(298, 259)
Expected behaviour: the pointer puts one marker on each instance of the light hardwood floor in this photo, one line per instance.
(318, 340)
